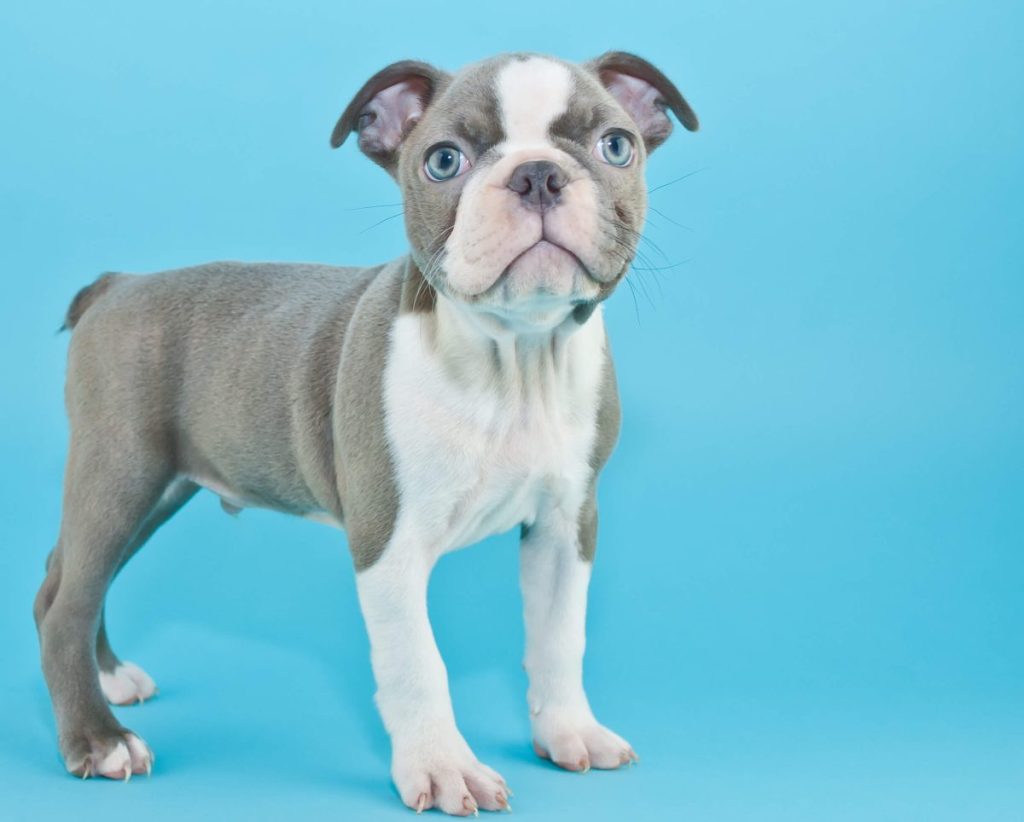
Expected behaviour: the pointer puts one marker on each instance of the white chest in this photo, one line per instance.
(491, 445)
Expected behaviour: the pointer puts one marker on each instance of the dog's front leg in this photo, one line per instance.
(431, 764)
(555, 563)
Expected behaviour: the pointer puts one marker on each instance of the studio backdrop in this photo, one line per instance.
(807, 595)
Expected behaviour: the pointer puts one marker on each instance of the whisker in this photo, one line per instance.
(643, 288)
(643, 238)
(367, 207)
(639, 237)
(432, 266)
(666, 217)
(436, 259)
(419, 290)
(381, 222)
(648, 269)
(627, 262)
(660, 267)
(636, 262)
(676, 180)
(636, 305)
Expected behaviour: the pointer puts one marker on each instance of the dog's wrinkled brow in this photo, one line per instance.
(581, 119)
(480, 133)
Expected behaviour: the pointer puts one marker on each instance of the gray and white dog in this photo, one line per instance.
(422, 405)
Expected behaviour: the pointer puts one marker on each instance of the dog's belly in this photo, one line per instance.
(234, 500)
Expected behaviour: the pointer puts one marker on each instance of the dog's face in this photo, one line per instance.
(522, 176)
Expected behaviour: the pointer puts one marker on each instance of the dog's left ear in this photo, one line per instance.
(645, 93)
(387, 108)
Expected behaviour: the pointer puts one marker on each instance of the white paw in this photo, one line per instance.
(127, 684)
(129, 755)
(446, 776)
(580, 744)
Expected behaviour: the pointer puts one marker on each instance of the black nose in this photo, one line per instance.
(539, 183)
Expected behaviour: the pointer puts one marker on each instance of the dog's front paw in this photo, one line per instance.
(446, 775)
(579, 744)
(114, 755)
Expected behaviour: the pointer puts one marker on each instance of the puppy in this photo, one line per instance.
(421, 405)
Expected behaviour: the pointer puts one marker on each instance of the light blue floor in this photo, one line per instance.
(863, 681)
(808, 602)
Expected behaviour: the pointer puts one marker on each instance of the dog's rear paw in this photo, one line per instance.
(127, 684)
(580, 746)
(115, 756)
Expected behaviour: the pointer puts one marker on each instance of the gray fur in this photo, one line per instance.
(86, 297)
(170, 503)
(365, 475)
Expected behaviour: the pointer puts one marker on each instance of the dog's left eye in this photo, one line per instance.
(616, 148)
(444, 162)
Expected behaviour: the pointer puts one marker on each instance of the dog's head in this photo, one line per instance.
(522, 176)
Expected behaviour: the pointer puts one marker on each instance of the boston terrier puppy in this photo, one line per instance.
(461, 390)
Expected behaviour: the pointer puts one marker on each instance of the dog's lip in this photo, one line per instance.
(542, 242)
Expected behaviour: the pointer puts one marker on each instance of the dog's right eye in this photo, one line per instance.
(445, 162)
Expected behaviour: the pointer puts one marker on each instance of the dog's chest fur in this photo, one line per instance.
(485, 436)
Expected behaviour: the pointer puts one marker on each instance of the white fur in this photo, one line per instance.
(117, 764)
(127, 757)
(127, 684)
(431, 763)
(142, 756)
(554, 580)
(532, 93)
(510, 441)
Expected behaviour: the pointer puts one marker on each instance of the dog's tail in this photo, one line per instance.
(86, 297)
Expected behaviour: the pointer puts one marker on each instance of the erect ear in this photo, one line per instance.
(645, 93)
(387, 107)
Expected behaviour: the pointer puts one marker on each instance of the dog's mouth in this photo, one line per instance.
(544, 251)
(540, 286)
(545, 270)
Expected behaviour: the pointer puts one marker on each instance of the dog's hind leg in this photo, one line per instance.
(125, 683)
(112, 486)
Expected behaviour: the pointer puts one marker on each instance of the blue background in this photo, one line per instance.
(807, 602)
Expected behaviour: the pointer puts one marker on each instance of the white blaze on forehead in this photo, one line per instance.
(532, 93)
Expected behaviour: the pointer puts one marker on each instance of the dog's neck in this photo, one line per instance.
(515, 354)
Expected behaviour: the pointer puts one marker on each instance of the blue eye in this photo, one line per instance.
(444, 162)
(616, 148)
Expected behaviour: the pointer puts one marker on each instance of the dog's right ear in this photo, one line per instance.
(386, 109)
